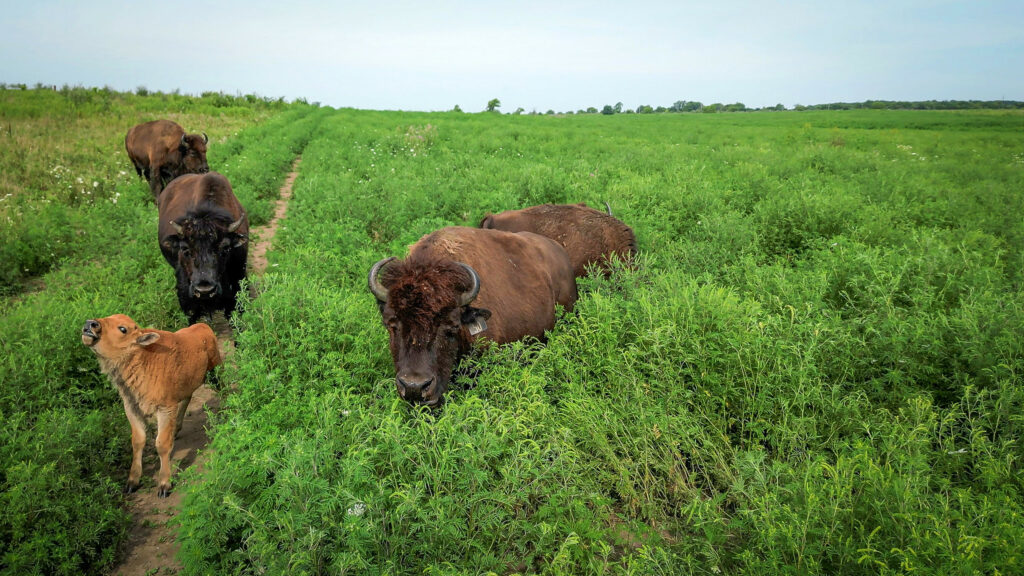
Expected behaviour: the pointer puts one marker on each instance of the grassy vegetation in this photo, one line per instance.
(816, 367)
(63, 446)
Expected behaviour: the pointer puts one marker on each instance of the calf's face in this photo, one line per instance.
(115, 335)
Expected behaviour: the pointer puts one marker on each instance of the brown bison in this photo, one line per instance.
(513, 282)
(588, 235)
(204, 236)
(161, 151)
(155, 372)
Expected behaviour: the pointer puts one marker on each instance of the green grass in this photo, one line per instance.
(815, 367)
(64, 445)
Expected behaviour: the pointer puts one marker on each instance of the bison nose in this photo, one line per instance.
(204, 287)
(411, 390)
(91, 326)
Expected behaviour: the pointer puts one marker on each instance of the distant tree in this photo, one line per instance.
(779, 107)
(493, 105)
(456, 109)
(737, 107)
(549, 112)
(618, 107)
(644, 109)
(519, 111)
(711, 108)
(591, 110)
(660, 110)
(607, 109)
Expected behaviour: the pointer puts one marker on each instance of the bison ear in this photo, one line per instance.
(147, 339)
(475, 319)
(488, 221)
(239, 240)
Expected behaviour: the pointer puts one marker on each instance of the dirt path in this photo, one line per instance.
(152, 544)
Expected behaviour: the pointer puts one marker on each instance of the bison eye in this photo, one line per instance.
(122, 329)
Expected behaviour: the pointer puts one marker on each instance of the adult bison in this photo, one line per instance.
(155, 372)
(204, 236)
(513, 282)
(588, 235)
(161, 151)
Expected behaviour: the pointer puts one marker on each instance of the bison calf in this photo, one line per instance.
(155, 372)
(588, 235)
(161, 151)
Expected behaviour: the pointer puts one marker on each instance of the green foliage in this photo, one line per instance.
(811, 369)
(814, 366)
(80, 236)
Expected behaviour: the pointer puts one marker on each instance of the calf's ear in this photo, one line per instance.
(488, 221)
(147, 339)
(475, 319)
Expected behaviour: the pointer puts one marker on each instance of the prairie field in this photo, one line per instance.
(814, 367)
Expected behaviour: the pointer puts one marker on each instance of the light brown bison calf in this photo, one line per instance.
(589, 236)
(155, 372)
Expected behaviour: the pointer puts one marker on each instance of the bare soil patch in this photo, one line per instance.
(152, 545)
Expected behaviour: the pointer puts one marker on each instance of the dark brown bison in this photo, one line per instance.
(155, 372)
(204, 235)
(161, 151)
(513, 282)
(588, 235)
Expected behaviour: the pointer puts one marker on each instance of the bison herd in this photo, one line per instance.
(502, 281)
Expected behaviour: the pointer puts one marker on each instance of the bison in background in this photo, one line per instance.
(155, 373)
(204, 236)
(513, 281)
(588, 235)
(161, 151)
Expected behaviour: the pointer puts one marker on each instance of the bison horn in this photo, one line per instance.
(206, 139)
(375, 286)
(176, 226)
(184, 140)
(470, 295)
(234, 225)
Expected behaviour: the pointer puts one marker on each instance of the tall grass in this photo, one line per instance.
(815, 368)
(64, 442)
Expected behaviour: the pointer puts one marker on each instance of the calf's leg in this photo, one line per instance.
(164, 445)
(138, 425)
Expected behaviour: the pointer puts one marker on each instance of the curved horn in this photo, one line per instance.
(373, 284)
(469, 295)
(608, 207)
(175, 225)
(184, 140)
(206, 139)
(234, 225)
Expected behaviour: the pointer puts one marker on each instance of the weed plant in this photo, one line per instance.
(64, 445)
(814, 367)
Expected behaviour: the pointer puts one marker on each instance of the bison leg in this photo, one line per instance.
(164, 445)
(156, 183)
(182, 408)
(138, 425)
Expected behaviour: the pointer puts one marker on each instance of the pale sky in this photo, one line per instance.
(537, 55)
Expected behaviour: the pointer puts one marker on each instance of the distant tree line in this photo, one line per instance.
(695, 106)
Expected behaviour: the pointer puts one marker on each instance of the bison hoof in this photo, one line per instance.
(164, 491)
(131, 487)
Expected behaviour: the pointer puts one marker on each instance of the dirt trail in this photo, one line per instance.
(152, 545)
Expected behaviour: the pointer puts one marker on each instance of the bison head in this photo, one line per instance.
(425, 307)
(193, 153)
(113, 336)
(203, 244)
